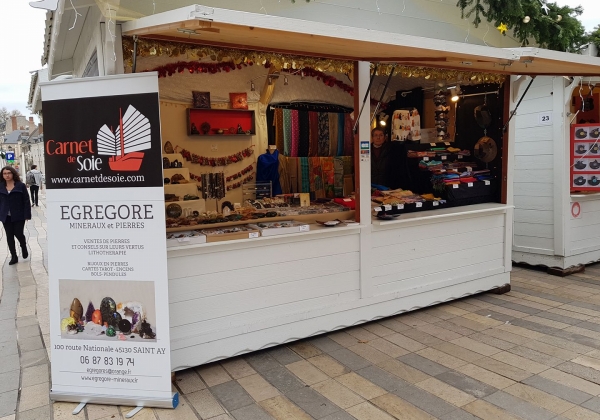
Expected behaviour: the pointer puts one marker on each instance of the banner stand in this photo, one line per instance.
(128, 402)
(107, 254)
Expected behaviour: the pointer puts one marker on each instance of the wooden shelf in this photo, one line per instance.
(221, 119)
(324, 217)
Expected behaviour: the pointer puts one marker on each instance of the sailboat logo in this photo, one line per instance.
(124, 145)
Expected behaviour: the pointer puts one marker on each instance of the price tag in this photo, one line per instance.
(470, 184)
(387, 207)
(377, 209)
(442, 170)
(432, 144)
(347, 200)
(419, 205)
(304, 228)
(443, 157)
(400, 206)
(436, 203)
(469, 169)
(447, 143)
(253, 235)
(455, 186)
(460, 156)
(183, 239)
(425, 159)
(487, 183)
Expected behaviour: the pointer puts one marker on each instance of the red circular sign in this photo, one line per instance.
(575, 210)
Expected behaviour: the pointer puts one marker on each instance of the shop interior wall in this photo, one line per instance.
(534, 173)
(176, 96)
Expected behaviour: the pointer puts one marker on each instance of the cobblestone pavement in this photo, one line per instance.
(533, 353)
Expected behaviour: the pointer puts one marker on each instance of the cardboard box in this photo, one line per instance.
(185, 238)
(230, 233)
(280, 228)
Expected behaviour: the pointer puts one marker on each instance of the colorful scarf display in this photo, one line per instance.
(278, 123)
(348, 136)
(287, 132)
(305, 175)
(340, 135)
(313, 149)
(338, 176)
(323, 134)
(304, 130)
(295, 133)
(333, 133)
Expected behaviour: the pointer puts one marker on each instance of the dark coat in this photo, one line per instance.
(17, 202)
(380, 166)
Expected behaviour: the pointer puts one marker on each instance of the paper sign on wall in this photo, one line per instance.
(545, 118)
(108, 287)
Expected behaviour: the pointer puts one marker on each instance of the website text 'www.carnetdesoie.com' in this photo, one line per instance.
(97, 179)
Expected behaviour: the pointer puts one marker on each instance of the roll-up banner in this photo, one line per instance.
(107, 260)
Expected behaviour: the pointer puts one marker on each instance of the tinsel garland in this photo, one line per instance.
(440, 74)
(215, 161)
(153, 48)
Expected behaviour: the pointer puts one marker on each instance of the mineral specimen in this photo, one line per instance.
(76, 310)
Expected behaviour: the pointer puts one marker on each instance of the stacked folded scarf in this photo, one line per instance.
(431, 165)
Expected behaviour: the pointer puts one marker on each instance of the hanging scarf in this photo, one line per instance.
(348, 136)
(278, 123)
(348, 165)
(340, 135)
(305, 175)
(313, 119)
(323, 134)
(293, 174)
(304, 125)
(287, 132)
(295, 133)
(328, 176)
(338, 176)
(333, 130)
(284, 174)
(311, 175)
(317, 175)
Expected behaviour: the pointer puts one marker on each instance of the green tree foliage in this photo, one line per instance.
(557, 29)
(594, 36)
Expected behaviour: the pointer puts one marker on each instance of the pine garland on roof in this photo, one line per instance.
(548, 24)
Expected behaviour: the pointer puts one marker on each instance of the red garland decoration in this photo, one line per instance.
(229, 178)
(215, 161)
(239, 184)
(212, 68)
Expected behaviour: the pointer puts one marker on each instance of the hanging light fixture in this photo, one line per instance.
(270, 80)
(285, 80)
(252, 87)
(383, 118)
(455, 93)
(302, 75)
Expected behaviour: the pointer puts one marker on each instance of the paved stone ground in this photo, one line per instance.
(533, 353)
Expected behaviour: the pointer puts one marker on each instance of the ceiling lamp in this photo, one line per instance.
(383, 118)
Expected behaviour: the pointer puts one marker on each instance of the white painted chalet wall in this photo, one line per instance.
(438, 19)
(584, 232)
(283, 288)
(534, 173)
(420, 257)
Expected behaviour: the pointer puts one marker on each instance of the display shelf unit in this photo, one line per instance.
(585, 158)
(224, 119)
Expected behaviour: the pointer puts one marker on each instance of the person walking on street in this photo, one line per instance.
(14, 211)
(34, 180)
